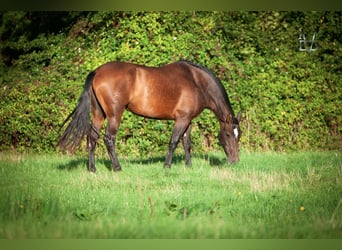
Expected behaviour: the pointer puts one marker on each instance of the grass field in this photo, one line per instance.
(265, 195)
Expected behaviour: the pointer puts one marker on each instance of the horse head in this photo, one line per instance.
(229, 137)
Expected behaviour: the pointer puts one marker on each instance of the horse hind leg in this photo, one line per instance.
(110, 138)
(93, 135)
(91, 141)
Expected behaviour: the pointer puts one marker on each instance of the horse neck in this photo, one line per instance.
(219, 103)
(215, 95)
(223, 111)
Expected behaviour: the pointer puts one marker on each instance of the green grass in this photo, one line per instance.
(266, 195)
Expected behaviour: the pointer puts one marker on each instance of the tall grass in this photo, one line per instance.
(266, 195)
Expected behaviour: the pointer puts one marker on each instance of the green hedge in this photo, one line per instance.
(290, 100)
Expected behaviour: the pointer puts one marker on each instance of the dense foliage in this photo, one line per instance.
(290, 99)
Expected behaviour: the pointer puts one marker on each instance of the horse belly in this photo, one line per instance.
(153, 106)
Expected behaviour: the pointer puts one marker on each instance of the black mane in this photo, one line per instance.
(216, 80)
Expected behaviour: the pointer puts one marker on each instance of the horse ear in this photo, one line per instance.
(239, 116)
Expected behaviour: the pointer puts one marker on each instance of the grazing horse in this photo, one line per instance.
(178, 91)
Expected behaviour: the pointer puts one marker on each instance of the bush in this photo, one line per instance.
(290, 100)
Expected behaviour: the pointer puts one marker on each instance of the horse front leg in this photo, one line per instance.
(178, 131)
(187, 145)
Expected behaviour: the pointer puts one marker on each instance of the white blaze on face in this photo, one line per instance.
(236, 132)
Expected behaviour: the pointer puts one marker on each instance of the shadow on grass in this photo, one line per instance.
(213, 161)
(217, 162)
(73, 164)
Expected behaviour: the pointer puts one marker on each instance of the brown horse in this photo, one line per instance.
(178, 91)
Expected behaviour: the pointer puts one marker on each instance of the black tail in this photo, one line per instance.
(79, 126)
